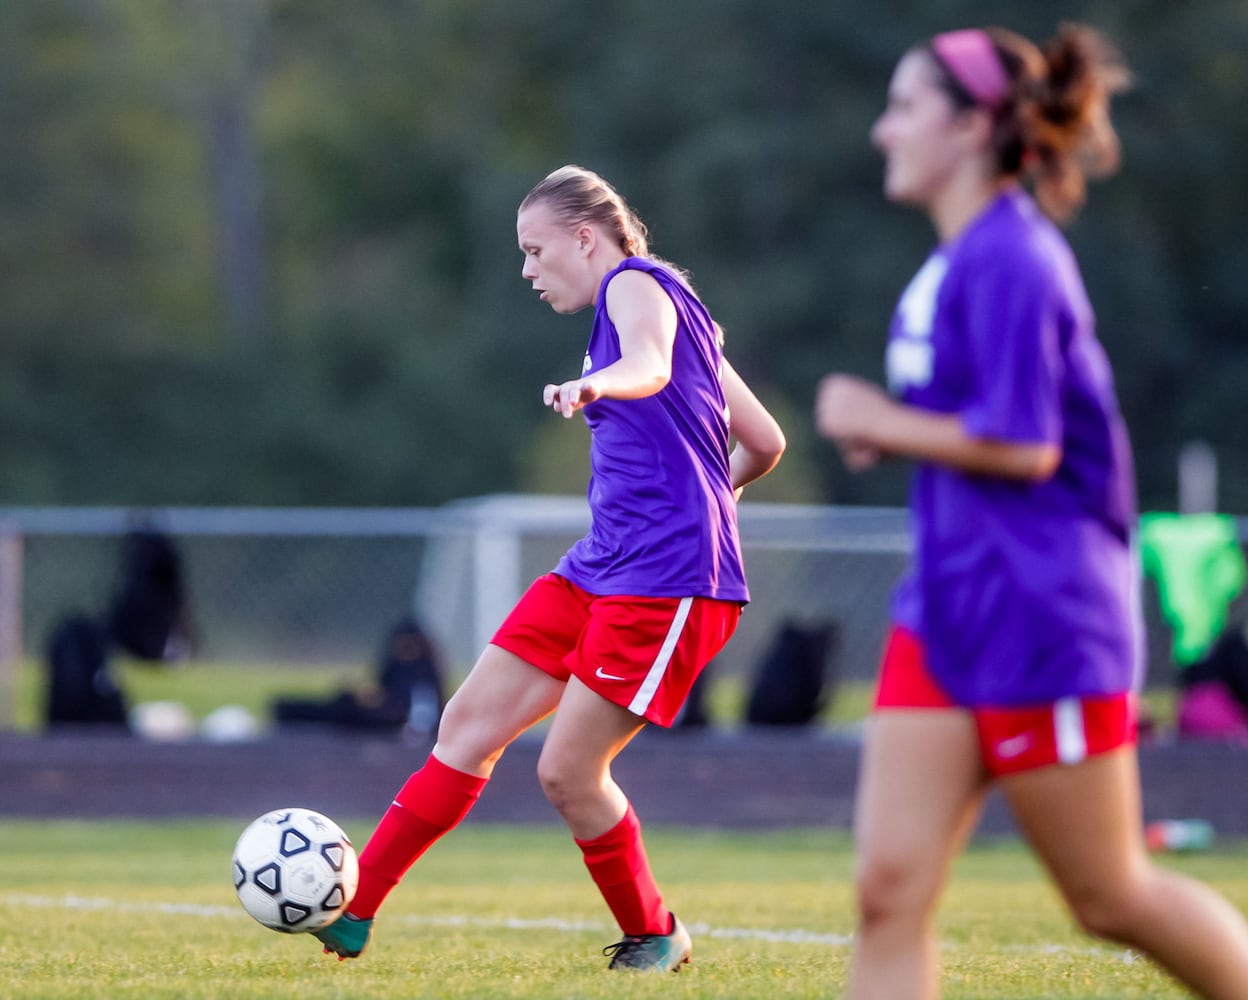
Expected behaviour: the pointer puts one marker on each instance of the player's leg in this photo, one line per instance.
(575, 771)
(635, 660)
(517, 681)
(920, 788)
(1084, 822)
(502, 697)
(586, 735)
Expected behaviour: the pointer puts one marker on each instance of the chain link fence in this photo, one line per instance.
(302, 586)
(323, 586)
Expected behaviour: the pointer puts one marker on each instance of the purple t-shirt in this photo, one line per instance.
(664, 521)
(1023, 593)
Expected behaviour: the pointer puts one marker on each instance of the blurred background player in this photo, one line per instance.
(616, 635)
(1014, 652)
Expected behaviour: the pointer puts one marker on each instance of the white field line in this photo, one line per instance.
(505, 923)
(796, 936)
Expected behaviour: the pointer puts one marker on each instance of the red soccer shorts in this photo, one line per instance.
(642, 653)
(1013, 738)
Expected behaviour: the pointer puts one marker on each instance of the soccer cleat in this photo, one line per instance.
(346, 937)
(663, 952)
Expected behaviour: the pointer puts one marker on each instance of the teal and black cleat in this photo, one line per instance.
(346, 937)
(661, 952)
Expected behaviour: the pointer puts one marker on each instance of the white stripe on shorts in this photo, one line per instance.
(645, 693)
(1072, 740)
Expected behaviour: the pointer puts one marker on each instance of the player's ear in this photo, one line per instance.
(976, 125)
(585, 238)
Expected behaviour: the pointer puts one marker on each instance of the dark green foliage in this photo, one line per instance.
(264, 252)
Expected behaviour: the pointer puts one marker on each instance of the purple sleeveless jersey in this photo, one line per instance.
(1022, 592)
(660, 491)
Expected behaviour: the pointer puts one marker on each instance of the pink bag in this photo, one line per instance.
(1208, 711)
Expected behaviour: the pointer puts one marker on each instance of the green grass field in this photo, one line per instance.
(126, 910)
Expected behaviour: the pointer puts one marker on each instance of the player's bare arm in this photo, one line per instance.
(863, 419)
(645, 320)
(760, 440)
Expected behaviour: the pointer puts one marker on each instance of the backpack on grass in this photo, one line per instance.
(80, 686)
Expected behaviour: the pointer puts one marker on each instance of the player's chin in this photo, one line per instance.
(565, 306)
(894, 189)
(900, 191)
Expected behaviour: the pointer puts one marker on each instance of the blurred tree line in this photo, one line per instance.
(263, 251)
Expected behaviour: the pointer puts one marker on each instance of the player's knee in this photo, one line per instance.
(456, 716)
(1098, 918)
(1104, 912)
(567, 783)
(557, 781)
(467, 738)
(891, 889)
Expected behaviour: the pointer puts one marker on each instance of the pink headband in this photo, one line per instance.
(972, 59)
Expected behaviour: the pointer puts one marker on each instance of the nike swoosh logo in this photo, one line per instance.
(600, 673)
(1013, 746)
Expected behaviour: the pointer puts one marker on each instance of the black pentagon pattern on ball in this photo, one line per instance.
(240, 875)
(294, 913)
(293, 842)
(335, 854)
(335, 898)
(269, 878)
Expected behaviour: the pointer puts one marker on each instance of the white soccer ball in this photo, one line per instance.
(295, 870)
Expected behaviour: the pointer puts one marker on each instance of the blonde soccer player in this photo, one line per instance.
(613, 638)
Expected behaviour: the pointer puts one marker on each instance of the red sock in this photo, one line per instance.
(431, 803)
(618, 864)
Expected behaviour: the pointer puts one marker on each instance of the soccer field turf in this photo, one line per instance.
(128, 909)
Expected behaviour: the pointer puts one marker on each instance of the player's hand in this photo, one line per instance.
(569, 397)
(848, 408)
(859, 457)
